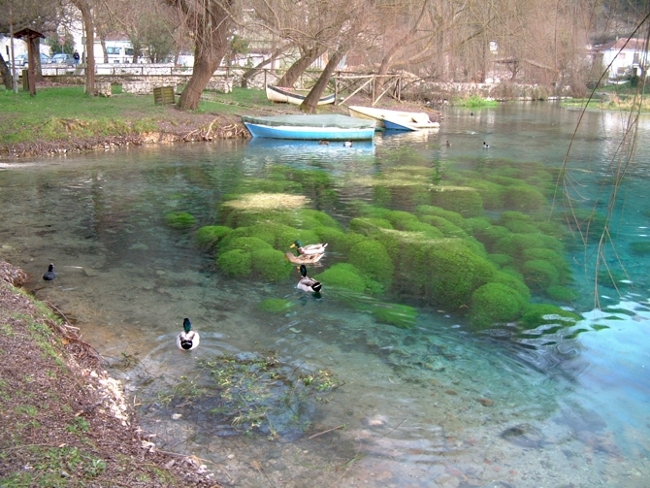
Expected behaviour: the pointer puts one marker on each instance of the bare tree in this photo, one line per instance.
(85, 7)
(211, 22)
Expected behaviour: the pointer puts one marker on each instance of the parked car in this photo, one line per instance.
(45, 59)
(63, 58)
(20, 60)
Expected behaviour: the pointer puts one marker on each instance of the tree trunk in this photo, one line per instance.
(310, 102)
(7, 81)
(212, 25)
(253, 71)
(86, 16)
(298, 68)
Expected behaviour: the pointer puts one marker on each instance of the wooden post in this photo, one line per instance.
(32, 45)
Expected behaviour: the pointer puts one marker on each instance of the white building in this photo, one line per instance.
(624, 56)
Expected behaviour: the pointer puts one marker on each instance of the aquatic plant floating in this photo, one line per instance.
(49, 274)
(267, 201)
(188, 339)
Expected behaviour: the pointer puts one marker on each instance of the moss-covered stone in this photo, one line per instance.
(270, 264)
(343, 275)
(640, 248)
(372, 259)
(180, 220)
(248, 244)
(402, 316)
(562, 294)
(369, 226)
(447, 228)
(513, 280)
(235, 263)
(463, 200)
(589, 223)
(494, 303)
(455, 272)
(500, 259)
(276, 305)
(540, 275)
(539, 314)
(454, 217)
(523, 197)
(209, 235)
(490, 193)
(561, 264)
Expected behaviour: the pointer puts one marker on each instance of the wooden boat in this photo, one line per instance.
(320, 127)
(287, 95)
(395, 119)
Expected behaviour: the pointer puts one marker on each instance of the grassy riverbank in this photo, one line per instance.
(64, 119)
(64, 420)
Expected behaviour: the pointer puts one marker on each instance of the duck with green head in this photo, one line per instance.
(310, 248)
(188, 339)
(306, 283)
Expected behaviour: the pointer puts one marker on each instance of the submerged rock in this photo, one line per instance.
(524, 435)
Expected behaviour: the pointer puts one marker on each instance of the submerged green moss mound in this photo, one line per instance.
(180, 220)
(402, 316)
(464, 200)
(276, 305)
(562, 294)
(455, 272)
(540, 314)
(343, 275)
(495, 303)
(235, 263)
(209, 235)
(640, 248)
(372, 259)
(540, 275)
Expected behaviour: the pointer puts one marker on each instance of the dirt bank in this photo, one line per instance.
(65, 421)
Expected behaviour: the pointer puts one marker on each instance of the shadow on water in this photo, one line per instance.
(347, 388)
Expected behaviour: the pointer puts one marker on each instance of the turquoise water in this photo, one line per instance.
(436, 405)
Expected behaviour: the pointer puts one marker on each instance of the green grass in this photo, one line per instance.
(67, 113)
(474, 102)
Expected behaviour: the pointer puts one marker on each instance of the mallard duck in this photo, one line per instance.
(347, 143)
(486, 145)
(49, 274)
(188, 339)
(323, 143)
(306, 283)
(310, 248)
(303, 258)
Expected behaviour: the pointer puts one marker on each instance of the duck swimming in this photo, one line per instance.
(486, 145)
(306, 283)
(310, 248)
(188, 339)
(303, 258)
(49, 274)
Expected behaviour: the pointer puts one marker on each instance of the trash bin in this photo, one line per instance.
(164, 95)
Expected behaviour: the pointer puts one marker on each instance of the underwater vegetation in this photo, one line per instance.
(251, 394)
(477, 242)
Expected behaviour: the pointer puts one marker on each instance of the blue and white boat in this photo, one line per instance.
(395, 119)
(320, 127)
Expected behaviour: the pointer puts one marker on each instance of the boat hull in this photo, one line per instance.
(285, 95)
(308, 133)
(395, 119)
(326, 127)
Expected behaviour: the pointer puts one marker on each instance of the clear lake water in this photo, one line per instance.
(437, 405)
